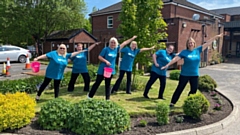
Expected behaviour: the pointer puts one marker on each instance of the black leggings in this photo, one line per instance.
(74, 76)
(183, 80)
(45, 84)
(119, 80)
(97, 84)
(153, 77)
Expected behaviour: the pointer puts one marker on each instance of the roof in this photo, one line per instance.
(229, 11)
(117, 7)
(67, 34)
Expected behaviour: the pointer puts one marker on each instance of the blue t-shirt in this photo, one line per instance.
(191, 61)
(110, 55)
(128, 58)
(56, 66)
(163, 58)
(80, 62)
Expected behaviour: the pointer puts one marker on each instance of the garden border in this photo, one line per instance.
(212, 128)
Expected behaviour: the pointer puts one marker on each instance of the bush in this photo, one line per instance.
(92, 70)
(195, 105)
(98, 117)
(206, 83)
(27, 85)
(16, 110)
(137, 84)
(162, 113)
(54, 114)
(174, 75)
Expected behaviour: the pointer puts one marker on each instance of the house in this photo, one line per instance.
(70, 38)
(178, 14)
(232, 30)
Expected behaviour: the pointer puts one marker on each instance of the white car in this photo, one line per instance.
(14, 53)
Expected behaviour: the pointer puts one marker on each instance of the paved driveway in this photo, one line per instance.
(227, 76)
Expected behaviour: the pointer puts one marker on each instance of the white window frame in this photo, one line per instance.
(109, 18)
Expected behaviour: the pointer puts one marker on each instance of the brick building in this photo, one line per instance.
(232, 30)
(70, 38)
(178, 14)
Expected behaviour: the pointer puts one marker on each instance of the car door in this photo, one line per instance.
(2, 54)
(12, 53)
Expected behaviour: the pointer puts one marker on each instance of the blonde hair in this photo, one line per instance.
(58, 50)
(115, 40)
(134, 42)
(190, 39)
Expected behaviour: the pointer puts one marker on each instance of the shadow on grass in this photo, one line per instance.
(141, 99)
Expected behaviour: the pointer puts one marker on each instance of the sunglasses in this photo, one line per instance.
(62, 48)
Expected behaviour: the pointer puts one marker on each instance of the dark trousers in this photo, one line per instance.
(97, 84)
(183, 80)
(153, 77)
(45, 84)
(74, 76)
(119, 80)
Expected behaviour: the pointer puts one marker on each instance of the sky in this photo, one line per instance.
(208, 4)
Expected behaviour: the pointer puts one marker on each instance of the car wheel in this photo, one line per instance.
(22, 59)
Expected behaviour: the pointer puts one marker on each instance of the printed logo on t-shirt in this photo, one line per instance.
(79, 56)
(61, 60)
(112, 55)
(192, 56)
(130, 54)
(168, 59)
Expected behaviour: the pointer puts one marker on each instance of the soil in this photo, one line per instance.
(152, 126)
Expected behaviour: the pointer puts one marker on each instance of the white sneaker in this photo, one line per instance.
(88, 97)
(37, 98)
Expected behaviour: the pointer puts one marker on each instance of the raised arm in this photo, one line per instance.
(92, 46)
(209, 42)
(44, 56)
(76, 53)
(147, 49)
(104, 60)
(174, 60)
(127, 42)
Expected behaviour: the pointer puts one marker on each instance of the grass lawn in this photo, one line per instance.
(134, 103)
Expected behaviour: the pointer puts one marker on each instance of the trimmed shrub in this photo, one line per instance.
(98, 117)
(174, 75)
(27, 85)
(195, 105)
(206, 83)
(16, 110)
(162, 113)
(54, 114)
(92, 70)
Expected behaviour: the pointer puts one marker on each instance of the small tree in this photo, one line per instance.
(144, 19)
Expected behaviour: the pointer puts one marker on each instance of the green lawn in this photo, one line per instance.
(134, 103)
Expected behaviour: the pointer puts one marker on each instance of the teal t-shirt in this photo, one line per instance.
(80, 62)
(163, 58)
(128, 58)
(110, 55)
(57, 65)
(191, 61)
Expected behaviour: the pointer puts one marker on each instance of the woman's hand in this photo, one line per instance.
(35, 59)
(156, 64)
(108, 63)
(164, 67)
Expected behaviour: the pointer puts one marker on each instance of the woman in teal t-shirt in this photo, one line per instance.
(129, 54)
(80, 67)
(58, 61)
(160, 58)
(108, 57)
(190, 68)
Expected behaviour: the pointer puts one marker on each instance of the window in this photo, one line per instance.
(109, 22)
(205, 17)
(11, 49)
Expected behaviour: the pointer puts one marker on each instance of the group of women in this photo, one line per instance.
(162, 59)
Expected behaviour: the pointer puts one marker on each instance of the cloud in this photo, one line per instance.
(216, 4)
